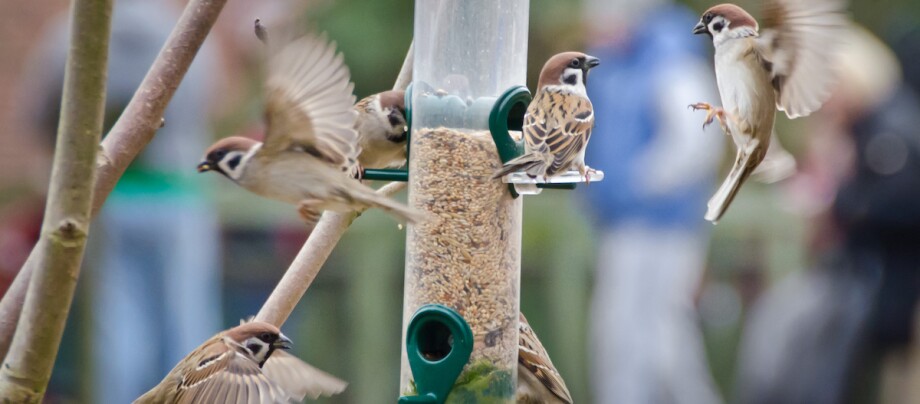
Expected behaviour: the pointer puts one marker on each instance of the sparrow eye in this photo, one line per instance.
(576, 63)
(265, 337)
(217, 155)
(707, 18)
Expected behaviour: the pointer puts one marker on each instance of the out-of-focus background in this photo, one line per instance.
(804, 293)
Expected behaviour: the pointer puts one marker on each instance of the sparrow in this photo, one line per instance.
(559, 120)
(382, 130)
(243, 365)
(311, 146)
(538, 379)
(786, 66)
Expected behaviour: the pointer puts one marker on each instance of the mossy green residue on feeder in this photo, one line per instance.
(482, 382)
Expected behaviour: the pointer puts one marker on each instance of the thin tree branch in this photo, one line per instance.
(26, 371)
(327, 233)
(131, 133)
(306, 265)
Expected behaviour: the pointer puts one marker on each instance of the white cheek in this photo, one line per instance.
(569, 73)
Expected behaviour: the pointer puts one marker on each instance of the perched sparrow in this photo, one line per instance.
(381, 127)
(311, 146)
(538, 380)
(785, 66)
(558, 121)
(243, 365)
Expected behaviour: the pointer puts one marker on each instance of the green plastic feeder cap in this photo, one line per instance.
(438, 343)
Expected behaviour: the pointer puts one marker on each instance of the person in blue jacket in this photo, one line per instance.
(660, 168)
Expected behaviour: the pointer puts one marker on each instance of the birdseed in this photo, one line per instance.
(467, 255)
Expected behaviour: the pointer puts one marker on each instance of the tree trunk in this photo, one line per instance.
(131, 133)
(27, 369)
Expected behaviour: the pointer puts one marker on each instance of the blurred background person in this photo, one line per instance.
(152, 268)
(823, 335)
(660, 169)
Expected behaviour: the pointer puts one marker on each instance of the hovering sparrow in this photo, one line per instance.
(243, 365)
(538, 380)
(785, 66)
(311, 146)
(558, 121)
(381, 127)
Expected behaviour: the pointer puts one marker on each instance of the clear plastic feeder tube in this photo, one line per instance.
(466, 256)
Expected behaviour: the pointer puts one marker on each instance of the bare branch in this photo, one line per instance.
(26, 371)
(306, 265)
(405, 72)
(131, 133)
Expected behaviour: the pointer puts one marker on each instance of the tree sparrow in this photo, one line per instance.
(381, 127)
(558, 121)
(311, 146)
(538, 380)
(243, 365)
(785, 66)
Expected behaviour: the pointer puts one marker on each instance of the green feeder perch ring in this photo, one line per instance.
(438, 343)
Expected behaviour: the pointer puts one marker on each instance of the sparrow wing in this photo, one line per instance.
(797, 43)
(533, 357)
(299, 379)
(571, 120)
(227, 374)
(309, 102)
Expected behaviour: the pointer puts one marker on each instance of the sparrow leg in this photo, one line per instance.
(711, 113)
(359, 172)
(310, 211)
(586, 172)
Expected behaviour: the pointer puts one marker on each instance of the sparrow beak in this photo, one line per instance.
(283, 342)
(204, 166)
(700, 28)
(591, 62)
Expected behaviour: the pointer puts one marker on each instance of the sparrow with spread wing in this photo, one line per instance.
(243, 365)
(311, 146)
(559, 120)
(787, 65)
(538, 379)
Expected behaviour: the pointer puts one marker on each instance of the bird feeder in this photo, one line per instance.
(465, 259)
(465, 109)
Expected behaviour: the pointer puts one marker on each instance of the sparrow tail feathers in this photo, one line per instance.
(531, 163)
(742, 169)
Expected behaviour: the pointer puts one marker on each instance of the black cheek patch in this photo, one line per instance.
(570, 79)
(234, 162)
(254, 348)
(394, 118)
(718, 26)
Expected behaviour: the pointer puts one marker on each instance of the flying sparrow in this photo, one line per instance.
(381, 127)
(311, 146)
(243, 365)
(558, 121)
(538, 380)
(785, 66)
